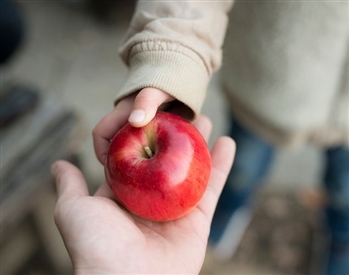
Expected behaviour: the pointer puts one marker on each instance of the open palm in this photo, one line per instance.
(104, 238)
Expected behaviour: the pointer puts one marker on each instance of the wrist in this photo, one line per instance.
(102, 269)
(95, 271)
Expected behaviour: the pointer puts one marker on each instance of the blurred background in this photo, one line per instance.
(67, 71)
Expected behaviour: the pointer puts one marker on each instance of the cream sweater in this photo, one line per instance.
(285, 65)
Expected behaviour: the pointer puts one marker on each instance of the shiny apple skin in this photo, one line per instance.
(168, 185)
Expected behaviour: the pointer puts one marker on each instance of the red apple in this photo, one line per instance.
(161, 171)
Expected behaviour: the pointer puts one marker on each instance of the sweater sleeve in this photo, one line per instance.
(175, 46)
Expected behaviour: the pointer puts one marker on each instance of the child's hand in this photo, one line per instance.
(139, 110)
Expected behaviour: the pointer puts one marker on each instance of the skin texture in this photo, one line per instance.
(167, 185)
(102, 238)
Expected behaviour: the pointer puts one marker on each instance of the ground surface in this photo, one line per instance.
(284, 237)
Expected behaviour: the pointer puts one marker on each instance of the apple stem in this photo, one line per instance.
(148, 151)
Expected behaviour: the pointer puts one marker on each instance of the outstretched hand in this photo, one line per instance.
(139, 110)
(103, 238)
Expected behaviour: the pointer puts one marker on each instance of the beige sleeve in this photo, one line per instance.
(175, 46)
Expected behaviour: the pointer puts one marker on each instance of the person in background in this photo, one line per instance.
(104, 238)
(285, 76)
(16, 100)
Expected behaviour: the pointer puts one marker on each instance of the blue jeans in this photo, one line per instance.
(253, 158)
(337, 213)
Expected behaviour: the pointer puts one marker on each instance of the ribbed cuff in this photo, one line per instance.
(182, 76)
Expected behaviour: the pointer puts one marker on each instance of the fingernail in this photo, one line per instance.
(137, 116)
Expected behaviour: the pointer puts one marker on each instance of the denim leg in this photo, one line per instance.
(337, 213)
(252, 160)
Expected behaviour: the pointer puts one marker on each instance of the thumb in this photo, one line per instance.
(146, 104)
(69, 180)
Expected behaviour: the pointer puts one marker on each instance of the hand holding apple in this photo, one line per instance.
(159, 172)
(103, 238)
(138, 109)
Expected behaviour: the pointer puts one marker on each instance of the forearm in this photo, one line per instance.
(175, 47)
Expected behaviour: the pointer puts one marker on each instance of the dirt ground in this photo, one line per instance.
(285, 237)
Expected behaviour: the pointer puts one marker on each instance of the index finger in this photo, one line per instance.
(108, 127)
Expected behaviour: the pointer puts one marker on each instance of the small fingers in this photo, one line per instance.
(146, 105)
(108, 127)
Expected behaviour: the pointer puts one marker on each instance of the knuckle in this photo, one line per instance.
(143, 96)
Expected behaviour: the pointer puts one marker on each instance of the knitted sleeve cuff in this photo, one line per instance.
(180, 74)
